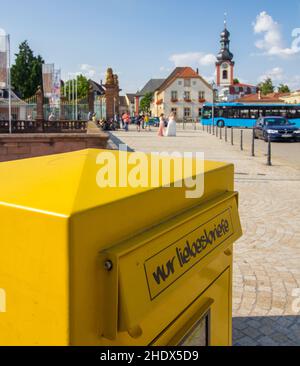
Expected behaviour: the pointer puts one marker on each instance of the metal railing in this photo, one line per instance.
(218, 132)
(44, 127)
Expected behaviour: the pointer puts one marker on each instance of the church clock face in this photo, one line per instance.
(225, 66)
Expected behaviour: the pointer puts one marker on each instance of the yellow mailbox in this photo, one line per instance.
(84, 265)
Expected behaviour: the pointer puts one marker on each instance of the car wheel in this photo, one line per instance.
(221, 124)
(266, 138)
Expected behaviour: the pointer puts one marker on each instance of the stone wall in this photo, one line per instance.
(21, 146)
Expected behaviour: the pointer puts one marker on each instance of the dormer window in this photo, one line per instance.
(187, 82)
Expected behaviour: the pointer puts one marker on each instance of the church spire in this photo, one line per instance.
(225, 54)
(225, 63)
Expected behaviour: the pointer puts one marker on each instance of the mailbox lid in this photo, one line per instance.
(67, 183)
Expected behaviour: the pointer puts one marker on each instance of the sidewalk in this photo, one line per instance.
(267, 258)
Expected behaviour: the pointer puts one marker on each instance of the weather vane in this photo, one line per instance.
(225, 19)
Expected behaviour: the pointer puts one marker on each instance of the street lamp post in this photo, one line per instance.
(213, 106)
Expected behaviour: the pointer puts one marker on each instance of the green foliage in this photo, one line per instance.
(83, 87)
(146, 102)
(236, 81)
(26, 73)
(266, 86)
(283, 88)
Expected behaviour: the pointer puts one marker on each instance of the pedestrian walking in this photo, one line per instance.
(126, 121)
(172, 128)
(139, 122)
(161, 125)
(147, 122)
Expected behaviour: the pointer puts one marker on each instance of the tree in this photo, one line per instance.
(146, 102)
(82, 85)
(236, 81)
(26, 73)
(266, 87)
(283, 88)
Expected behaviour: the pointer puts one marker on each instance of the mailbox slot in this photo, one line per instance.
(156, 265)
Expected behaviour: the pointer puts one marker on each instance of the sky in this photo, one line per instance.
(143, 39)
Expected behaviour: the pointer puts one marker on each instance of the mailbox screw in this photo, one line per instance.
(108, 265)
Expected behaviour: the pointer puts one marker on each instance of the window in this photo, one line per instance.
(179, 82)
(187, 82)
(225, 74)
(201, 95)
(187, 112)
(254, 113)
(207, 113)
(187, 95)
(194, 82)
(233, 113)
(174, 95)
(174, 110)
(244, 113)
(200, 112)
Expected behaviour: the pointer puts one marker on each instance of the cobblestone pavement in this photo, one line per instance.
(266, 300)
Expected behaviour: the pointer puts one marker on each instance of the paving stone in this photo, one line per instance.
(267, 257)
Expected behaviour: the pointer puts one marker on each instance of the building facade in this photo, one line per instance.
(233, 92)
(184, 92)
(151, 87)
(292, 98)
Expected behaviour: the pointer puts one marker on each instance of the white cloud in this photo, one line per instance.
(272, 43)
(193, 58)
(276, 74)
(88, 70)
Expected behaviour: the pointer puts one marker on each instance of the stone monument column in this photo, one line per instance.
(40, 105)
(110, 89)
(117, 94)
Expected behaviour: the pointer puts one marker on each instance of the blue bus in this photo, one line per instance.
(246, 114)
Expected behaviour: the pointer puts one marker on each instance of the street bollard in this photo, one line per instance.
(226, 134)
(213, 127)
(221, 133)
(242, 140)
(269, 152)
(232, 136)
(217, 131)
(253, 142)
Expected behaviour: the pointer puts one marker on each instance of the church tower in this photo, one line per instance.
(224, 64)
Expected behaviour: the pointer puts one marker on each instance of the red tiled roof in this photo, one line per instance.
(184, 73)
(254, 98)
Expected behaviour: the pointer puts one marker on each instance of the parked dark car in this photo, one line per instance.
(277, 128)
(154, 121)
